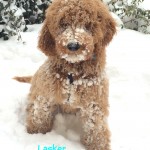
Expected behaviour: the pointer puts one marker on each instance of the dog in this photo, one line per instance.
(74, 36)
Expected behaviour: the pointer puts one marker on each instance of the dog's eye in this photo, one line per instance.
(63, 24)
(88, 27)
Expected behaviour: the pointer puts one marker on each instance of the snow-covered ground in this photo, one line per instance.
(128, 68)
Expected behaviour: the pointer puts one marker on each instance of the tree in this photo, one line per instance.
(131, 14)
(16, 14)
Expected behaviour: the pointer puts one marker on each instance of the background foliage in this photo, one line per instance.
(133, 16)
(15, 15)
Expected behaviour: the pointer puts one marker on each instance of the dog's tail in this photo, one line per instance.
(25, 79)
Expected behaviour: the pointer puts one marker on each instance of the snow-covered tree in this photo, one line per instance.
(133, 16)
(16, 14)
(34, 10)
(12, 18)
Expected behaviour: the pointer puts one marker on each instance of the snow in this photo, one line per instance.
(145, 4)
(74, 58)
(128, 69)
(118, 20)
(129, 74)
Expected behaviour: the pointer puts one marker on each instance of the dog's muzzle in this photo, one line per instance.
(73, 46)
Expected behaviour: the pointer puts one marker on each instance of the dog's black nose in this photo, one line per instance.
(73, 46)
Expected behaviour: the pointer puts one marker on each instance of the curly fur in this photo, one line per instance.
(89, 23)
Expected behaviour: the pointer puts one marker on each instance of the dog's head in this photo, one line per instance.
(73, 29)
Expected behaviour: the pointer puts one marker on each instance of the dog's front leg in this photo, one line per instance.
(40, 116)
(95, 134)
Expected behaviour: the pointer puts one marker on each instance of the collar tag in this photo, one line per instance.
(94, 57)
(70, 78)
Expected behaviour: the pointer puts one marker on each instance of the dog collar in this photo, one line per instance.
(70, 77)
(94, 57)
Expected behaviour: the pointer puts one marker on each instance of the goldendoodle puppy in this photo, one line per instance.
(74, 36)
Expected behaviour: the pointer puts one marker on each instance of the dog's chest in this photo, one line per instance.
(72, 89)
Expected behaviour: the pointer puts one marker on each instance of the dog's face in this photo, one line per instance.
(73, 28)
(74, 43)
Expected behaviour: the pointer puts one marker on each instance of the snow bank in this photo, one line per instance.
(129, 74)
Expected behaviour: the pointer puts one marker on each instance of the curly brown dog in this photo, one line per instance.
(74, 36)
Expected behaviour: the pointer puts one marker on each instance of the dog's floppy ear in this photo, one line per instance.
(46, 42)
(109, 30)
